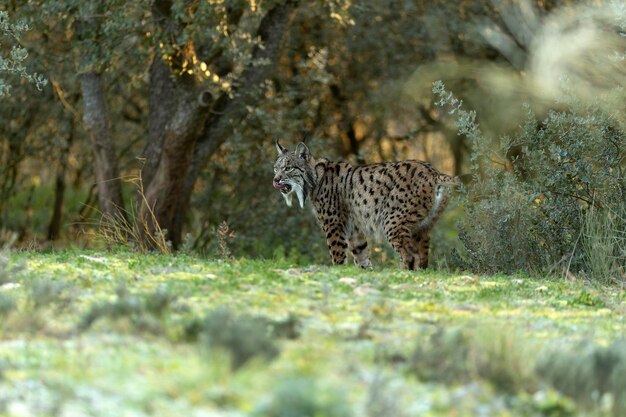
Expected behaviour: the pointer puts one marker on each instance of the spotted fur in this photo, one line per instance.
(400, 201)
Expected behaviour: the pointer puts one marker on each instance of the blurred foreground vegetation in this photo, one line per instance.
(95, 334)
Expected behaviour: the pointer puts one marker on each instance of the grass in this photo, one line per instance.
(117, 333)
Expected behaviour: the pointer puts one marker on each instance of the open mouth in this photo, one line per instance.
(282, 187)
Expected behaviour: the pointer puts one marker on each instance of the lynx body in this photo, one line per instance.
(397, 200)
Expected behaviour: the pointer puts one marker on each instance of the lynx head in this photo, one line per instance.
(293, 173)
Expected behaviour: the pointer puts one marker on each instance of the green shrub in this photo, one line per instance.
(589, 374)
(443, 358)
(586, 298)
(7, 304)
(44, 292)
(604, 244)
(143, 313)
(385, 398)
(303, 397)
(457, 356)
(242, 336)
(159, 302)
(7, 272)
(526, 208)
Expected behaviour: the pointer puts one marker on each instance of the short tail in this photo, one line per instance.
(442, 194)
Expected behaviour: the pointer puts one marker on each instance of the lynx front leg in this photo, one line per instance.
(358, 247)
(336, 241)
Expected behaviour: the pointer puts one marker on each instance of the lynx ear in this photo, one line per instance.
(280, 148)
(302, 151)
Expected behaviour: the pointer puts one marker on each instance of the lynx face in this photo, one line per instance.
(398, 200)
(292, 174)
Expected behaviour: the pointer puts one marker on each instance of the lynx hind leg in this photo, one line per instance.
(358, 248)
(423, 245)
(405, 245)
(336, 241)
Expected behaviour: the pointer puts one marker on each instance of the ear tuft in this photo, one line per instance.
(280, 148)
(302, 151)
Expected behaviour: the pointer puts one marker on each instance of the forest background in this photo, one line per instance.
(151, 124)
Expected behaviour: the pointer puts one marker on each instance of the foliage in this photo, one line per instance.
(224, 234)
(14, 63)
(525, 210)
(7, 304)
(453, 355)
(143, 313)
(603, 238)
(296, 397)
(592, 374)
(243, 336)
(128, 229)
(8, 271)
(44, 293)
(328, 81)
(259, 222)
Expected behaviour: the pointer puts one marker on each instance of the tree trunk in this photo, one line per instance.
(227, 112)
(54, 228)
(161, 102)
(157, 210)
(105, 159)
(161, 96)
(346, 125)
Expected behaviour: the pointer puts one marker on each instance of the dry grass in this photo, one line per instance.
(127, 228)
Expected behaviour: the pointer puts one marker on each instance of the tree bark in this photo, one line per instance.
(177, 114)
(346, 125)
(227, 112)
(161, 95)
(54, 228)
(157, 210)
(97, 124)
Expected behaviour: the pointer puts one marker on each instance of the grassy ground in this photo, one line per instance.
(121, 334)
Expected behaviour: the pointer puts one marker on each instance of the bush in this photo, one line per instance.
(7, 272)
(45, 292)
(143, 314)
(589, 374)
(604, 244)
(526, 209)
(455, 356)
(7, 304)
(303, 397)
(243, 336)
